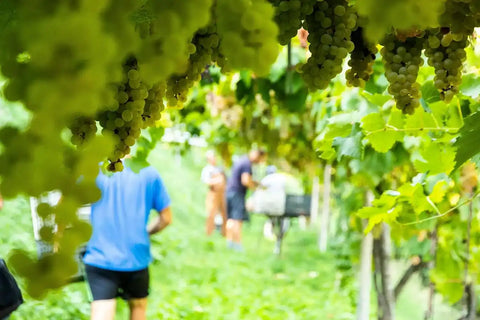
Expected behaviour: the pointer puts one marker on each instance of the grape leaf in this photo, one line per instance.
(382, 210)
(381, 137)
(439, 191)
(436, 159)
(350, 146)
(430, 93)
(469, 86)
(467, 143)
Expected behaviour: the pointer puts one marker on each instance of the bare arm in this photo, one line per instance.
(247, 180)
(1, 202)
(217, 179)
(160, 222)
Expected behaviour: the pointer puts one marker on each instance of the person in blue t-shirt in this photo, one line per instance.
(238, 183)
(118, 253)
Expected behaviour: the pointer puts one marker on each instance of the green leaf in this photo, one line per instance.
(436, 159)
(376, 98)
(381, 137)
(467, 143)
(430, 93)
(382, 210)
(469, 86)
(420, 122)
(350, 146)
(335, 130)
(439, 191)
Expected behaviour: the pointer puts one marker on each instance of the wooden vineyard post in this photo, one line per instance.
(365, 273)
(325, 217)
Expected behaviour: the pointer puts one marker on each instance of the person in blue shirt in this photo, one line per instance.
(240, 180)
(118, 253)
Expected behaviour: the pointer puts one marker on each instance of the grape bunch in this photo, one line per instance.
(248, 34)
(402, 60)
(446, 53)
(330, 26)
(461, 16)
(124, 119)
(166, 28)
(204, 50)
(361, 60)
(83, 129)
(153, 105)
(289, 15)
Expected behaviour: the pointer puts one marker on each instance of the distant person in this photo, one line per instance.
(240, 180)
(118, 253)
(269, 198)
(214, 177)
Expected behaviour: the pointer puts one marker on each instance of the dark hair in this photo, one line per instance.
(261, 152)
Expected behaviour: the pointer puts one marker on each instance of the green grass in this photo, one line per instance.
(197, 277)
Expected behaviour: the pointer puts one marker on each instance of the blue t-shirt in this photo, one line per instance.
(234, 184)
(120, 239)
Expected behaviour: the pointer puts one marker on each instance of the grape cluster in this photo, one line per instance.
(361, 60)
(446, 53)
(402, 60)
(248, 35)
(289, 15)
(330, 26)
(204, 50)
(166, 28)
(461, 16)
(83, 129)
(153, 105)
(124, 119)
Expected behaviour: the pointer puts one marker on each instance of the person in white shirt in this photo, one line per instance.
(214, 177)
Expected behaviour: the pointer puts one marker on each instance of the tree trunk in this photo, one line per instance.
(365, 275)
(324, 219)
(382, 275)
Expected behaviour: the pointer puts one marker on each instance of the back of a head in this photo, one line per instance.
(256, 155)
(271, 169)
(210, 155)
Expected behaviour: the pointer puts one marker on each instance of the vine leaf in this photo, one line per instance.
(382, 210)
(430, 93)
(469, 86)
(436, 159)
(383, 137)
(467, 143)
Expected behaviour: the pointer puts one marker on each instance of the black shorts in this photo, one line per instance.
(108, 284)
(236, 209)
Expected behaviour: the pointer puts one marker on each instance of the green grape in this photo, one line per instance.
(460, 16)
(153, 105)
(361, 60)
(83, 129)
(137, 106)
(447, 58)
(402, 61)
(289, 15)
(164, 49)
(330, 26)
(248, 36)
(205, 49)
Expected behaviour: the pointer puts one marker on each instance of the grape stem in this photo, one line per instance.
(392, 128)
(439, 214)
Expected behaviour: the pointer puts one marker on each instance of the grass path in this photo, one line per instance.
(196, 278)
